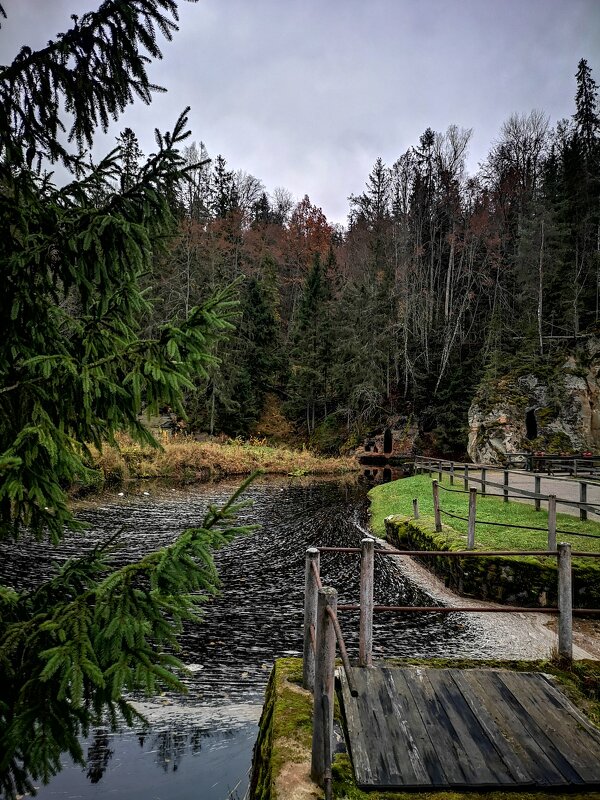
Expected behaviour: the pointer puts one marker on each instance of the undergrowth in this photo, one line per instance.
(185, 460)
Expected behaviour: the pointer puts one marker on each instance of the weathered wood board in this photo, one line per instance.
(419, 728)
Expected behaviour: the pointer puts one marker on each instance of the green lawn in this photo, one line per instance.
(397, 497)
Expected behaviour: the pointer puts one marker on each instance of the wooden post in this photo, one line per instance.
(575, 468)
(440, 471)
(452, 473)
(551, 522)
(324, 685)
(472, 513)
(582, 500)
(367, 579)
(505, 490)
(537, 488)
(310, 617)
(416, 507)
(436, 506)
(483, 473)
(466, 487)
(565, 602)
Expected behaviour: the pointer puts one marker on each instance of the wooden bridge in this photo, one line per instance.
(417, 728)
(425, 728)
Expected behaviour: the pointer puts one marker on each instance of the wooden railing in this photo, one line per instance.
(322, 628)
(478, 473)
(472, 520)
(553, 464)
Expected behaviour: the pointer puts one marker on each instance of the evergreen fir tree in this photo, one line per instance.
(586, 116)
(74, 370)
(255, 363)
(311, 355)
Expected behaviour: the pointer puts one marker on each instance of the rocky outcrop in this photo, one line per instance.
(395, 440)
(558, 412)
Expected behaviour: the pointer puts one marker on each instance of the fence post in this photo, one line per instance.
(440, 471)
(582, 500)
(452, 473)
(537, 488)
(436, 506)
(367, 578)
(466, 480)
(324, 684)
(483, 472)
(416, 507)
(565, 602)
(551, 522)
(505, 490)
(575, 468)
(310, 618)
(472, 513)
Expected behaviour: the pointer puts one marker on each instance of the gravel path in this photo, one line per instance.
(562, 487)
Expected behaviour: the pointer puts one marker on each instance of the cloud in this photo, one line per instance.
(307, 94)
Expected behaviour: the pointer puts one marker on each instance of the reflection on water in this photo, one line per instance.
(374, 474)
(199, 745)
(171, 764)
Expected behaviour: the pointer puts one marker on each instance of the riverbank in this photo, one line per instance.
(281, 764)
(184, 460)
(396, 499)
(513, 581)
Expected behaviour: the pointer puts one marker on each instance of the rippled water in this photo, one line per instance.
(200, 744)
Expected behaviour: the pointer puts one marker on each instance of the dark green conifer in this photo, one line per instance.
(74, 370)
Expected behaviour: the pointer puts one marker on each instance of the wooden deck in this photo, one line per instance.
(417, 728)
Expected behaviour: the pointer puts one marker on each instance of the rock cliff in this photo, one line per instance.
(554, 411)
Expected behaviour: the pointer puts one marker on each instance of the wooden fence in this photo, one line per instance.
(479, 473)
(555, 464)
(472, 520)
(322, 628)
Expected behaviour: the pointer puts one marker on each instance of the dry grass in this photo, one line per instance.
(185, 460)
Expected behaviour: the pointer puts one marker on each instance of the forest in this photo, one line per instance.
(439, 279)
(171, 280)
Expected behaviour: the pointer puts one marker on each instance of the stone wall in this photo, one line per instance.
(521, 581)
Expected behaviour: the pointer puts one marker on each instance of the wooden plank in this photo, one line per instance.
(512, 724)
(487, 766)
(577, 743)
(435, 720)
(358, 752)
(409, 768)
(536, 732)
(373, 763)
(392, 765)
(559, 700)
(514, 765)
(407, 711)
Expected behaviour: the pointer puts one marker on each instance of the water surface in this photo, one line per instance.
(199, 744)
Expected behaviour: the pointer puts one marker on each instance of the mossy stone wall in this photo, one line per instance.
(523, 581)
(282, 753)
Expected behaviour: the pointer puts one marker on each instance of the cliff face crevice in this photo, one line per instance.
(556, 412)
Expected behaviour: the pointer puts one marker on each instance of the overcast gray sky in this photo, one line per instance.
(307, 93)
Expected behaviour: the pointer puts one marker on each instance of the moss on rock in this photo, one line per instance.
(282, 752)
(518, 580)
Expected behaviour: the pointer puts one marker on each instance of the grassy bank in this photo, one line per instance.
(184, 460)
(396, 499)
(281, 763)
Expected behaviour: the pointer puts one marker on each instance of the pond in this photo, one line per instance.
(200, 744)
